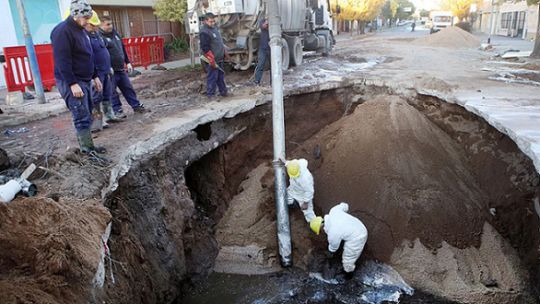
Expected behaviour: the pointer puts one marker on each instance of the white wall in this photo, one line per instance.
(8, 37)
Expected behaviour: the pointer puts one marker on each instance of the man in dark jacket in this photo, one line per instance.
(74, 70)
(264, 51)
(102, 62)
(214, 50)
(119, 62)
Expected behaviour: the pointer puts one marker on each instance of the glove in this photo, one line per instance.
(212, 60)
(129, 68)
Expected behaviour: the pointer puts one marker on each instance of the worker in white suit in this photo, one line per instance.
(341, 226)
(301, 187)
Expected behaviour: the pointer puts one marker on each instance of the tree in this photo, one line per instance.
(360, 10)
(460, 8)
(171, 10)
(389, 10)
(424, 13)
(536, 50)
(405, 9)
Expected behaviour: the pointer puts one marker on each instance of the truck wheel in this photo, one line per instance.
(285, 55)
(297, 52)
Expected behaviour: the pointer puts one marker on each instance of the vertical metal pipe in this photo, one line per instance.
(31, 51)
(278, 124)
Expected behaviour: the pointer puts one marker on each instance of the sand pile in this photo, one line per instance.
(48, 245)
(452, 37)
(402, 175)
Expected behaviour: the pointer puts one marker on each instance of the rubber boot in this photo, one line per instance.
(86, 143)
(97, 119)
(109, 113)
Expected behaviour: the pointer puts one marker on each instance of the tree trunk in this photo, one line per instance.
(536, 50)
(362, 26)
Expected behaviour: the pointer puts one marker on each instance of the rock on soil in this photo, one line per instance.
(452, 37)
(48, 245)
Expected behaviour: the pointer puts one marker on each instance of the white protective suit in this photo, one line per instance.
(301, 189)
(341, 226)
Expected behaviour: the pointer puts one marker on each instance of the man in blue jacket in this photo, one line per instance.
(214, 50)
(264, 52)
(119, 62)
(102, 62)
(74, 70)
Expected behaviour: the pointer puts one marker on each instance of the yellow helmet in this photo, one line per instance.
(293, 169)
(94, 20)
(316, 224)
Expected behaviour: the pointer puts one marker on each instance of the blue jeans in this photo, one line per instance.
(104, 95)
(214, 78)
(263, 57)
(121, 80)
(80, 108)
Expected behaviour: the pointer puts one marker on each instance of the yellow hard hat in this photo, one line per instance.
(293, 169)
(94, 20)
(316, 224)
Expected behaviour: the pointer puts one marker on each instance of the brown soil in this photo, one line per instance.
(452, 37)
(403, 176)
(48, 245)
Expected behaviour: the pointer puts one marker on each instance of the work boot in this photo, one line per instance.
(97, 119)
(141, 109)
(109, 113)
(104, 122)
(86, 143)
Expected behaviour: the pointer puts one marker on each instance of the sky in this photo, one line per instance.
(427, 4)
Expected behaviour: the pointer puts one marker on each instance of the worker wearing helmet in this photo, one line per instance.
(102, 62)
(301, 187)
(341, 226)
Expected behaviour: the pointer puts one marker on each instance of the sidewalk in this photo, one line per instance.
(30, 110)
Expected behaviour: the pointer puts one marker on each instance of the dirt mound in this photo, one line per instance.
(402, 175)
(47, 245)
(452, 37)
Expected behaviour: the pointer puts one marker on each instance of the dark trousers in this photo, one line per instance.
(104, 95)
(214, 78)
(80, 108)
(263, 57)
(121, 80)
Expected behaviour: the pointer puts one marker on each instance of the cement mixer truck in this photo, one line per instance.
(306, 26)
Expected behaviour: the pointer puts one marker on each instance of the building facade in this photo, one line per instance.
(133, 18)
(510, 18)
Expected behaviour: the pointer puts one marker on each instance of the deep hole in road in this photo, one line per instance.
(447, 200)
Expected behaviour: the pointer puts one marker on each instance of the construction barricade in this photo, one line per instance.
(17, 68)
(142, 52)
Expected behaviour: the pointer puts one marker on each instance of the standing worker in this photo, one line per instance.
(102, 62)
(264, 52)
(301, 188)
(341, 226)
(119, 62)
(214, 52)
(74, 70)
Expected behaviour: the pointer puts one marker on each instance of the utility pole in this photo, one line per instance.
(491, 21)
(31, 51)
(278, 127)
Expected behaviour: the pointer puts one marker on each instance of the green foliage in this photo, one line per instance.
(533, 2)
(401, 14)
(178, 45)
(171, 10)
(424, 13)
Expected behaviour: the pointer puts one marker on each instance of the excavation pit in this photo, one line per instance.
(447, 200)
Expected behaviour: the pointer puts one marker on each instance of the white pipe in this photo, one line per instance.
(278, 126)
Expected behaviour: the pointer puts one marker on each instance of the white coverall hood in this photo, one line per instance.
(341, 226)
(301, 189)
